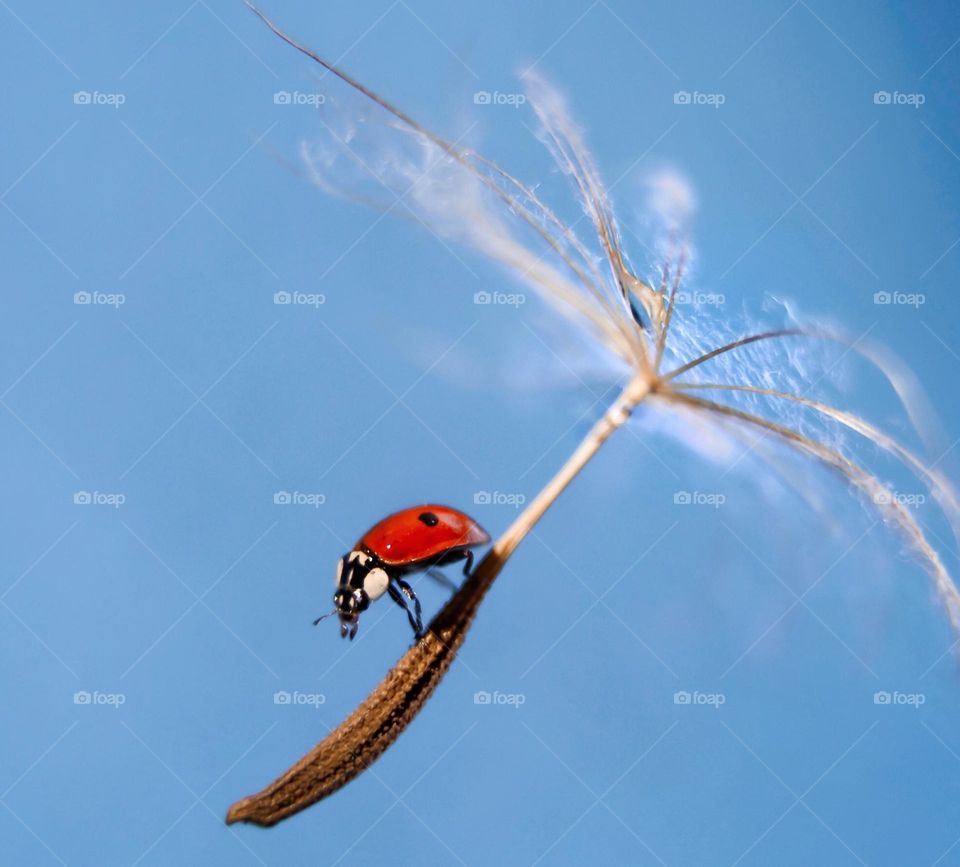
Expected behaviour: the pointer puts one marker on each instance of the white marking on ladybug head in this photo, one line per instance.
(339, 571)
(375, 583)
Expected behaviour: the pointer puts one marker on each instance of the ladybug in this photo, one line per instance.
(418, 539)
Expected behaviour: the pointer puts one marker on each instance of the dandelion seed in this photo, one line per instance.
(469, 198)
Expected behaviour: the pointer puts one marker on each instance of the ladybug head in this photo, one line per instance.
(348, 604)
(361, 578)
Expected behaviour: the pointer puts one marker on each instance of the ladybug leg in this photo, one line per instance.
(468, 566)
(400, 594)
(440, 578)
(408, 592)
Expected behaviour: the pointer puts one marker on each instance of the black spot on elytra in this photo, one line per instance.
(429, 519)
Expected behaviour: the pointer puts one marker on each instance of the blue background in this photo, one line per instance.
(198, 399)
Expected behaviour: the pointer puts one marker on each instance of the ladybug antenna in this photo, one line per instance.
(324, 617)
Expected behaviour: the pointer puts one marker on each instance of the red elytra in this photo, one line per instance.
(422, 533)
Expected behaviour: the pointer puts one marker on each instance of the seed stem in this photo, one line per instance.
(380, 719)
